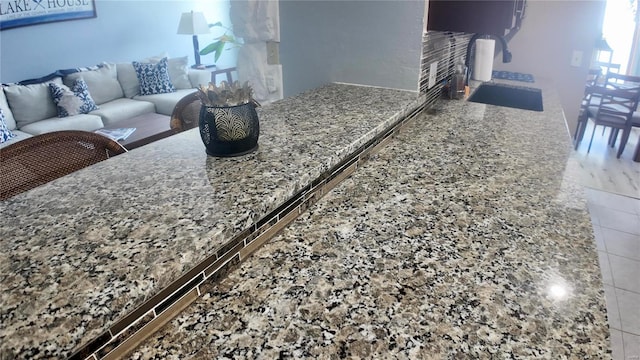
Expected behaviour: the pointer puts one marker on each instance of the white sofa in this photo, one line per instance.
(30, 109)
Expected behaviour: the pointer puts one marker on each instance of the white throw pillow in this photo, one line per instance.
(31, 103)
(155, 59)
(102, 83)
(128, 79)
(179, 73)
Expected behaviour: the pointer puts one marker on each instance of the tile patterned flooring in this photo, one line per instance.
(616, 226)
(600, 169)
(612, 187)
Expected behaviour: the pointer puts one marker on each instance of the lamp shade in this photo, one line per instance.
(193, 23)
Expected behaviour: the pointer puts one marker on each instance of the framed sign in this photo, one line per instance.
(15, 13)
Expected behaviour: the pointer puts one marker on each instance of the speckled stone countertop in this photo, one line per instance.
(462, 239)
(79, 253)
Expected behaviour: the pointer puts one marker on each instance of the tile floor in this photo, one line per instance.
(616, 226)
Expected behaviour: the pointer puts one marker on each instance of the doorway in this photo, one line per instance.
(619, 28)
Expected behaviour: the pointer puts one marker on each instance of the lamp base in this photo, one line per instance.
(202, 66)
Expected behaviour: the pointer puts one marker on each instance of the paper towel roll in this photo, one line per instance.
(483, 59)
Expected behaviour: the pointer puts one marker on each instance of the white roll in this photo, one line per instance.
(483, 59)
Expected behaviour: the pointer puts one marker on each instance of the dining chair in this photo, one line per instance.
(621, 81)
(635, 122)
(186, 113)
(593, 77)
(37, 160)
(591, 100)
(615, 110)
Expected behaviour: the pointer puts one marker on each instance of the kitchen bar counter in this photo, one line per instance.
(80, 253)
(464, 238)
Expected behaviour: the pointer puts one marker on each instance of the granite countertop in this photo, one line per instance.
(81, 252)
(464, 238)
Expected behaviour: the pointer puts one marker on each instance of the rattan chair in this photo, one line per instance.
(37, 160)
(186, 113)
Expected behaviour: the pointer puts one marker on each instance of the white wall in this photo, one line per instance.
(544, 45)
(125, 30)
(372, 42)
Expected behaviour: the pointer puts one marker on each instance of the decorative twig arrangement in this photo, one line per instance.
(226, 95)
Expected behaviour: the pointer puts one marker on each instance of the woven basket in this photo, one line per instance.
(229, 130)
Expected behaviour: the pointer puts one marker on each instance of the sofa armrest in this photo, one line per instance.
(199, 77)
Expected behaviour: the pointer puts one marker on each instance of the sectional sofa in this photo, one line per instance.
(92, 98)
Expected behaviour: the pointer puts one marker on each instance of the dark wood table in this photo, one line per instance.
(149, 128)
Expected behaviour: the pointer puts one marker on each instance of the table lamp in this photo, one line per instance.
(194, 23)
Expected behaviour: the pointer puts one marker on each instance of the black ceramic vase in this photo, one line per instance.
(229, 130)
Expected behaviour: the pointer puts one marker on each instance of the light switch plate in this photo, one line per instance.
(433, 73)
(576, 58)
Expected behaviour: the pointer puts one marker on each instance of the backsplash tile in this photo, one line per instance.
(444, 48)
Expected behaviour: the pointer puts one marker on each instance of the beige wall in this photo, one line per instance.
(544, 45)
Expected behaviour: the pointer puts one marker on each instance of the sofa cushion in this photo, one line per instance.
(165, 103)
(19, 135)
(122, 109)
(199, 77)
(86, 122)
(153, 78)
(8, 115)
(30, 103)
(179, 73)
(74, 101)
(102, 83)
(5, 133)
(128, 79)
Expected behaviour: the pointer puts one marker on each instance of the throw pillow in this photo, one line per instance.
(8, 115)
(178, 75)
(5, 133)
(178, 70)
(31, 103)
(103, 83)
(128, 79)
(156, 58)
(74, 101)
(153, 78)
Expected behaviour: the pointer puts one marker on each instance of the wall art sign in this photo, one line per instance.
(15, 13)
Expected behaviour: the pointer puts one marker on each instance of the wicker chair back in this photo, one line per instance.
(186, 113)
(37, 160)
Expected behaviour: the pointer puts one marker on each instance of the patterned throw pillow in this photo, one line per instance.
(5, 133)
(153, 78)
(74, 101)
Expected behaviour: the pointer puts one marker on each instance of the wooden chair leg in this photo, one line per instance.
(623, 141)
(576, 134)
(581, 126)
(613, 135)
(591, 141)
